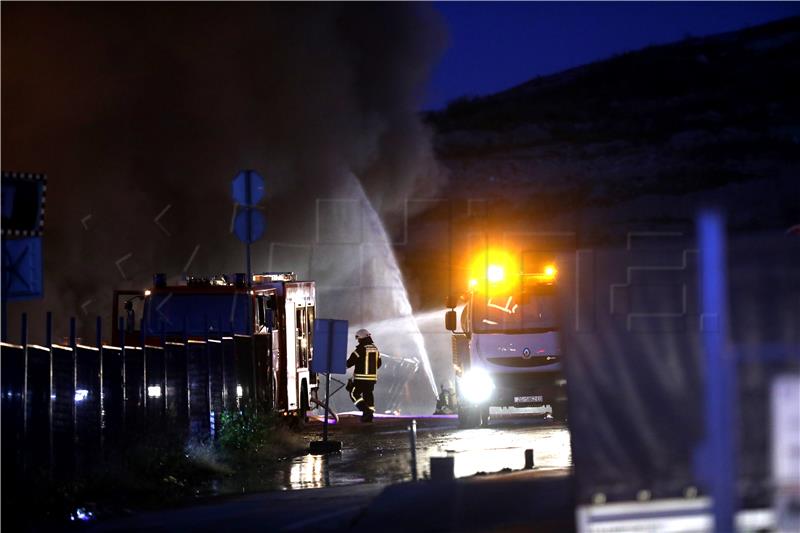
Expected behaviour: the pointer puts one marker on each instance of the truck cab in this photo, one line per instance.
(275, 314)
(507, 352)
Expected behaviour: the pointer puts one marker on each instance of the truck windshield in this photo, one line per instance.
(528, 311)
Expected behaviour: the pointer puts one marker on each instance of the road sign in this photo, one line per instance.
(247, 187)
(249, 225)
(330, 357)
(22, 269)
(23, 204)
(330, 346)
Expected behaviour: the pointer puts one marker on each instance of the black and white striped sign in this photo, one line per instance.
(23, 204)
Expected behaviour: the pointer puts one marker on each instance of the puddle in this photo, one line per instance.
(383, 456)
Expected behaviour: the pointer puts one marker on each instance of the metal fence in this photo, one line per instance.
(638, 371)
(63, 404)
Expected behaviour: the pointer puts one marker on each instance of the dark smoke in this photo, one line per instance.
(130, 108)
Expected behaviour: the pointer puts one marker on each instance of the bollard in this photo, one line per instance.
(528, 459)
(443, 468)
(412, 437)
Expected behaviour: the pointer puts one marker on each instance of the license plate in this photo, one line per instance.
(528, 399)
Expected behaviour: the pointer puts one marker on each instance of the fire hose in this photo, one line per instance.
(322, 404)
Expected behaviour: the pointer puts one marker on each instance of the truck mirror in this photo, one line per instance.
(450, 320)
(452, 301)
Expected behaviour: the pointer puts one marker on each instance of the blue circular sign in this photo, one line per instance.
(249, 225)
(247, 187)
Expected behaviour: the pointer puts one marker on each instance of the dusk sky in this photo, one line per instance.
(494, 46)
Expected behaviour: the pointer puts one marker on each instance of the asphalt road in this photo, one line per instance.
(330, 492)
(380, 452)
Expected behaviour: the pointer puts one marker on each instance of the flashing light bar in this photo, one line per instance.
(267, 277)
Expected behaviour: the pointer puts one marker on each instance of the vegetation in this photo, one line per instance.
(155, 469)
(246, 436)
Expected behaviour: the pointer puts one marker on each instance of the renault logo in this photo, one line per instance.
(526, 353)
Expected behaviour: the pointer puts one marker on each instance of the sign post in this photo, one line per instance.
(720, 397)
(23, 201)
(247, 189)
(330, 345)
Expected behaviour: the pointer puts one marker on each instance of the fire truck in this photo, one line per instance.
(274, 317)
(508, 350)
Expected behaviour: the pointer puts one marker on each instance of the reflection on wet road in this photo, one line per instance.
(379, 453)
(373, 455)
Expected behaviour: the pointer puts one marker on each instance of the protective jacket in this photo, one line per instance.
(366, 359)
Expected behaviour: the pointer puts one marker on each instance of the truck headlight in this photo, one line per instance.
(476, 386)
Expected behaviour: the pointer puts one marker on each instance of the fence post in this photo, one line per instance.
(212, 417)
(23, 340)
(73, 342)
(99, 344)
(99, 330)
(142, 341)
(72, 338)
(122, 355)
(23, 334)
(188, 394)
(720, 369)
(164, 348)
(165, 410)
(48, 335)
(48, 332)
(4, 319)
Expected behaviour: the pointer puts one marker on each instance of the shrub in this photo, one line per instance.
(247, 435)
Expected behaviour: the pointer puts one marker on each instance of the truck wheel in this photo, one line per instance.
(483, 415)
(559, 408)
(304, 402)
(468, 417)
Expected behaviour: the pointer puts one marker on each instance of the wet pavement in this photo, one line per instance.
(380, 452)
(346, 491)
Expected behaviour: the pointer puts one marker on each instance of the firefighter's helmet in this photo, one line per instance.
(362, 334)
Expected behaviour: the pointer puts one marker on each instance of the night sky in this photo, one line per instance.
(495, 46)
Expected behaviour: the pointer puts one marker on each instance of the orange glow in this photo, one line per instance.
(548, 275)
(494, 271)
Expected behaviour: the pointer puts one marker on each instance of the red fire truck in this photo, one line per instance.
(273, 320)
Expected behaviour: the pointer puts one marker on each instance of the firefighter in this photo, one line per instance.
(367, 360)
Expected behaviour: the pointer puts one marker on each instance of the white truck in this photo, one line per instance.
(508, 351)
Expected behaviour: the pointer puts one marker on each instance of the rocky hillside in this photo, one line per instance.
(648, 136)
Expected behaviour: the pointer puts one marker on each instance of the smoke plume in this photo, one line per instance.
(141, 110)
